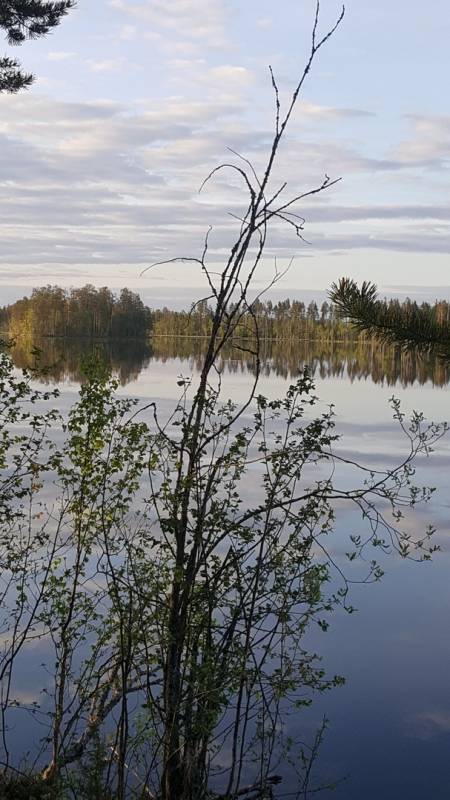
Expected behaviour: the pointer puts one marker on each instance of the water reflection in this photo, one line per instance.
(395, 652)
(383, 364)
(63, 358)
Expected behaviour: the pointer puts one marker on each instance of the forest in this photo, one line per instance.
(87, 312)
(98, 313)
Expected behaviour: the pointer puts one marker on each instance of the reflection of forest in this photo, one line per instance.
(62, 359)
(127, 358)
(354, 361)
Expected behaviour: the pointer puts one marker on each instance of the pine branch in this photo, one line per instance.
(12, 79)
(29, 19)
(22, 20)
(408, 325)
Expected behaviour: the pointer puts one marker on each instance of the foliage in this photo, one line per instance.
(97, 313)
(18, 786)
(284, 320)
(86, 312)
(171, 582)
(132, 536)
(424, 328)
(23, 436)
(12, 78)
(22, 20)
(53, 311)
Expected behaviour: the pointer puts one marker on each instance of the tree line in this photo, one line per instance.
(88, 312)
(52, 311)
(424, 328)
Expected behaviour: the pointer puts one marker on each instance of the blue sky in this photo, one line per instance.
(137, 100)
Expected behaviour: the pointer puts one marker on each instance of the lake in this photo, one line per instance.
(389, 726)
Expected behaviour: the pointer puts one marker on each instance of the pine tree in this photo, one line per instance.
(22, 20)
(424, 328)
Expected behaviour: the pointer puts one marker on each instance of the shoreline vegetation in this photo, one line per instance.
(98, 314)
(64, 325)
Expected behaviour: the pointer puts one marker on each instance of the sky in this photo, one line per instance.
(136, 101)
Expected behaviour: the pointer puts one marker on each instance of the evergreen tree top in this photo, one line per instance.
(424, 328)
(22, 20)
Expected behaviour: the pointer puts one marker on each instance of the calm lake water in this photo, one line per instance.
(389, 726)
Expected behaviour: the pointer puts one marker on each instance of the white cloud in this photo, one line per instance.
(59, 55)
(229, 74)
(128, 32)
(319, 112)
(227, 84)
(152, 36)
(200, 20)
(116, 182)
(430, 142)
(99, 185)
(107, 65)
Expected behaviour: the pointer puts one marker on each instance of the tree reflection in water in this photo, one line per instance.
(383, 364)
